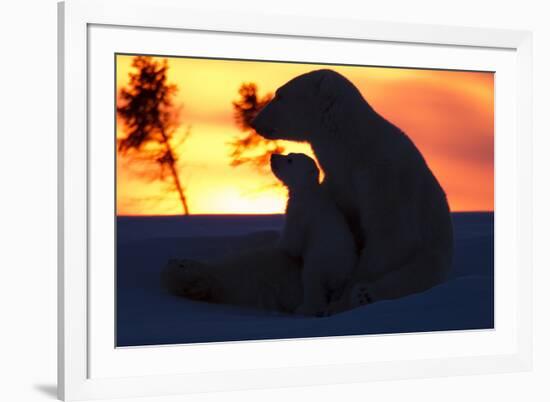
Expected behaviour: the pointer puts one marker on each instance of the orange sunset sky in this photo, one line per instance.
(448, 115)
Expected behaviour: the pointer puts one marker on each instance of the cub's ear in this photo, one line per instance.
(314, 173)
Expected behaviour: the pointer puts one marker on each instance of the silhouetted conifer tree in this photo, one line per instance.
(150, 118)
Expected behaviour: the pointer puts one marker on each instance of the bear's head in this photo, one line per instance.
(308, 106)
(295, 170)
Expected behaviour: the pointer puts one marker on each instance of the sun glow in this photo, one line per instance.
(448, 114)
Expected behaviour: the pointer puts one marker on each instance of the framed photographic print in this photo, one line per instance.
(259, 201)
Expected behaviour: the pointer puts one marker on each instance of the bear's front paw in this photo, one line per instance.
(356, 297)
(360, 295)
(190, 279)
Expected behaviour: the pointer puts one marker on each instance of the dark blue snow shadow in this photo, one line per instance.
(147, 315)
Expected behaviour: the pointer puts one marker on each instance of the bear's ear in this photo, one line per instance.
(325, 83)
(326, 90)
(327, 93)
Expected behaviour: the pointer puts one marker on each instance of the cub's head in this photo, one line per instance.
(295, 170)
(306, 106)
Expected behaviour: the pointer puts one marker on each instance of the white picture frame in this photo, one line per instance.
(77, 379)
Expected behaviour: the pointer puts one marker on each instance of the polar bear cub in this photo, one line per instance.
(316, 231)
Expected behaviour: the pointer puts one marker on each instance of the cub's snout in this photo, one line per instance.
(276, 161)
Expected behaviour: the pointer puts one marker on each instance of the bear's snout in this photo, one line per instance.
(256, 123)
(260, 126)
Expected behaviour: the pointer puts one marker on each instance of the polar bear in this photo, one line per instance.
(316, 231)
(402, 224)
(402, 221)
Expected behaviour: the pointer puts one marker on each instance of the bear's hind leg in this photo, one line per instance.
(264, 278)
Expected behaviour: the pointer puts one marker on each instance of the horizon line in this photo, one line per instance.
(260, 214)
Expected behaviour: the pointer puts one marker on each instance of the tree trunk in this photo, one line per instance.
(179, 187)
(175, 175)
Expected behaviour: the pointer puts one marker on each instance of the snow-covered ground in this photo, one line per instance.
(148, 315)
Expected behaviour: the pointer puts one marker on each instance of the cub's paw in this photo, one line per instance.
(190, 279)
(310, 311)
(337, 306)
